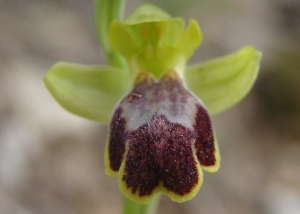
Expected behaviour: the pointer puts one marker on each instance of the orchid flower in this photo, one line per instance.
(158, 108)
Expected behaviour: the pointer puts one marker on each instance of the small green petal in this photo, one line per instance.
(223, 82)
(123, 38)
(87, 91)
(190, 39)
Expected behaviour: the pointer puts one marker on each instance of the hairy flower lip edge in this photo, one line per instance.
(160, 189)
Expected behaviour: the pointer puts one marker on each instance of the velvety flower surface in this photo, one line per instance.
(160, 139)
(160, 132)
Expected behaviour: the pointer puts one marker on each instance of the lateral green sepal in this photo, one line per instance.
(222, 82)
(87, 91)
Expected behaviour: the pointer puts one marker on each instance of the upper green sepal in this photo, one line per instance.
(87, 91)
(147, 13)
(222, 82)
(150, 40)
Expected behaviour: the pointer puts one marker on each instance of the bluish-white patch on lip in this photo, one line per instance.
(166, 96)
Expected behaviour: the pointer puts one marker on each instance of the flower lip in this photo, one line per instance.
(160, 151)
(160, 134)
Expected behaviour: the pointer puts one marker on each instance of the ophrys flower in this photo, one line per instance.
(160, 133)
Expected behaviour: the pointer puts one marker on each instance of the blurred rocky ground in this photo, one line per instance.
(52, 161)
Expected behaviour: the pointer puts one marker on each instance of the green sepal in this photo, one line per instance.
(222, 82)
(147, 13)
(87, 91)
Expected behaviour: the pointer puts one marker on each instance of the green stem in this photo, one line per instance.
(131, 207)
(105, 12)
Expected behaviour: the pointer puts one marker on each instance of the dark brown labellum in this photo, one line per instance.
(162, 132)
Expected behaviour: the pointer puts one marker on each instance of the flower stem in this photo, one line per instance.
(105, 12)
(131, 207)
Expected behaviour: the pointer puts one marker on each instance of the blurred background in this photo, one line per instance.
(52, 161)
